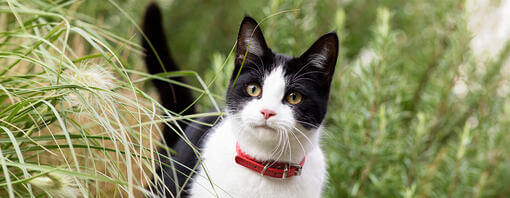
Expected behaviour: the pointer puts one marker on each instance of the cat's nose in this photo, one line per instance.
(267, 113)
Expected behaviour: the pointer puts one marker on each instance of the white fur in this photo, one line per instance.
(256, 138)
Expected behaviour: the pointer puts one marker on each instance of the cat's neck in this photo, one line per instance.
(294, 150)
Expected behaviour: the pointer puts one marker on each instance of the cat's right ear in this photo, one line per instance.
(250, 42)
(323, 54)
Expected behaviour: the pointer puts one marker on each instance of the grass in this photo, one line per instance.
(414, 111)
(75, 121)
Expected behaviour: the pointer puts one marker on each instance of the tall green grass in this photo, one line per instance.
(413, 112)
(74, 121)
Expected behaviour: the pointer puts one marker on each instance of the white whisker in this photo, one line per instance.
(297, 139)
(304, 135)
(290, 147)
(303, 122)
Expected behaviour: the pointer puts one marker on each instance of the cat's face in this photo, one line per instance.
(272, 93)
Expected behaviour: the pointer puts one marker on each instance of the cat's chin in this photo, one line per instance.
(264, 133)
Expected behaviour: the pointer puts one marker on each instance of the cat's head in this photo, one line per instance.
(272, 94)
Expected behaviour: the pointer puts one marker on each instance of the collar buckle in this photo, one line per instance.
(298, 169)
(284, 176)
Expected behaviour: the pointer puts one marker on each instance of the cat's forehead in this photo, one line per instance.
(263, 66)
(282, 63)
(282, 60)
(293, 69)
(290, 66)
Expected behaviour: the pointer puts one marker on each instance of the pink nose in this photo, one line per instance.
(267, 113)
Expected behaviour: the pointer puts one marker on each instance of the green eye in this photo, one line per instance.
(253, 89)
(294, 98)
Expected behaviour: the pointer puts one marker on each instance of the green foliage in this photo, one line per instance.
(413, 112)
(402, 129)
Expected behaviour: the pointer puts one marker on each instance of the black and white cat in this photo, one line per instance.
(267, 145)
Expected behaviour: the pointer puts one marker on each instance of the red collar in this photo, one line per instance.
(270, 168)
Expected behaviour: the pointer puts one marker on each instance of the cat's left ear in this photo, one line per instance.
(250, 41)
(323, 54)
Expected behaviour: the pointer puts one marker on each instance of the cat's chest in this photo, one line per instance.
(233, 180)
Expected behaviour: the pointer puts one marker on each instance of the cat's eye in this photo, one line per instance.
(253, 89)
(294, 97)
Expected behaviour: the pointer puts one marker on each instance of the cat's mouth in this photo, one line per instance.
(265, 127)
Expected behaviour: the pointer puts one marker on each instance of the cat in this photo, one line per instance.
(268, 142)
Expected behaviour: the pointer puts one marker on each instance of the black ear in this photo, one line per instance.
(250, 39)
(323, 54)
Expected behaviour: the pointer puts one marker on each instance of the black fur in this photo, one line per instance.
(174, 98)
(302, 74)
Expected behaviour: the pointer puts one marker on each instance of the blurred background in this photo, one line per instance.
(419, 108)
